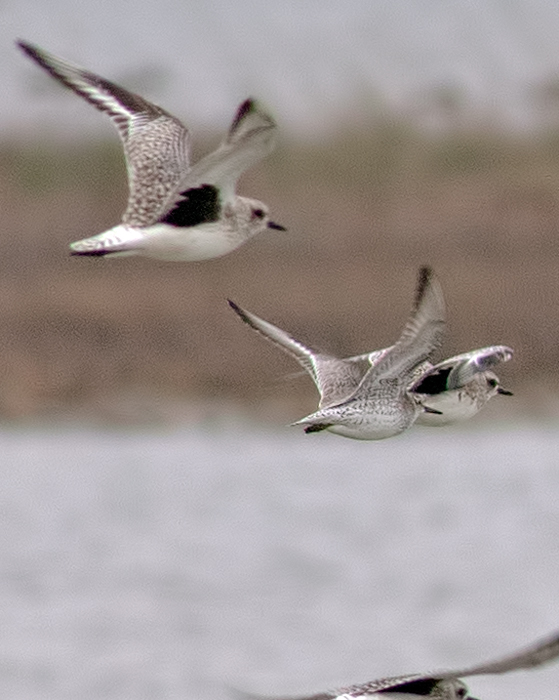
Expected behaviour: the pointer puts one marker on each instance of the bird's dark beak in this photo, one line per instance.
(504, 392)
(277, 227)
(428, 409)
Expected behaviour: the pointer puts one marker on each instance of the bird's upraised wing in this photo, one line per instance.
(155, 143)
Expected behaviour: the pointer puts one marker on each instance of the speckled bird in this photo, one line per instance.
(456, 388)
(175, 211)
(442, 685)
(367, 398)
(459, 387)
(452, 390)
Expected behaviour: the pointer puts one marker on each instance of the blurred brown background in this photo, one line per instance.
(136, 340)
(411, 133)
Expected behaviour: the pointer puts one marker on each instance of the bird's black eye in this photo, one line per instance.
(460, 692)
(492, 383)
(258, 213)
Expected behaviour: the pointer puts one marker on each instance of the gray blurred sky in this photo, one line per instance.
(307, 59)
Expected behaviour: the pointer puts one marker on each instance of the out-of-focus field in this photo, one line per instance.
(130, 339)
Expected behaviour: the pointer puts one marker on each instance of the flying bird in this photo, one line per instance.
(367, 397)
(175, 211)
(452, 390)
(443, 685)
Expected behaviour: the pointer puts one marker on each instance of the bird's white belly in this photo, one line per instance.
(363, 433)
(376, 426)
(189, 244)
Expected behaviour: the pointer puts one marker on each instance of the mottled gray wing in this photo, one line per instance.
(541, 652)
(409, 683)
(361, 364)
(420, 338)
(250, 137)
(335, 379)
(155, 143)
(415, 683)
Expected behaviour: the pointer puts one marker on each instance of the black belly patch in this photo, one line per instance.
(200, 206)
(434, 383)
(423, 686)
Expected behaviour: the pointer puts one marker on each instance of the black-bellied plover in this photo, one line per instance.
(455, 389)
(174, 212)
(460, 386)
(363, 399)
(443, 685)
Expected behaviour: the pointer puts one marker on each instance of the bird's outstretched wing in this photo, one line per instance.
(155, 143)
(421, 337)
(250, 138)
(335, 379)
(418, 683)
(533, 656)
